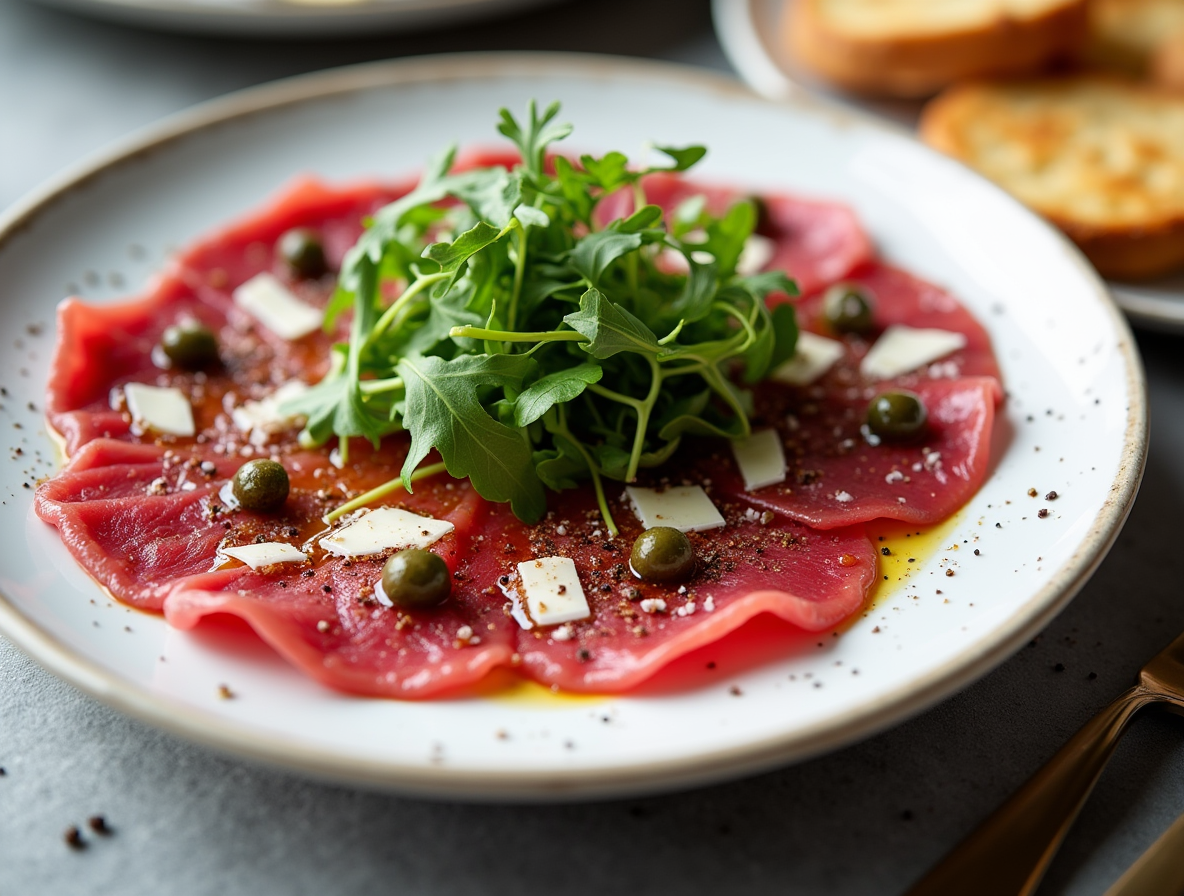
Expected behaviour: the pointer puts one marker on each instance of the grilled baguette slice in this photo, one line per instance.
(1101, 158)
(912, 48)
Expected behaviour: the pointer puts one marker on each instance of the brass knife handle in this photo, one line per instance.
(1011, 850)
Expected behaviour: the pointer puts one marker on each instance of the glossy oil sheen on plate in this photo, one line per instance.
(1073, 423)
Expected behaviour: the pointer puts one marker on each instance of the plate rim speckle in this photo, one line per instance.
(589, 781)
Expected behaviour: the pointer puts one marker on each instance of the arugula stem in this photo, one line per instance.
(382, 491)
(388, 317)
(470, 332)
(375, 387)
(519, 273)
(597, 484)
(643, 419)
(733, 311)
(615, 396)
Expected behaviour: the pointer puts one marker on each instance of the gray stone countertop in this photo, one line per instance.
(868, 819)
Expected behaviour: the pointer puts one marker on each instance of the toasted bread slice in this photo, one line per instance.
(1127, 34)
(1101, 158)
(912, 48)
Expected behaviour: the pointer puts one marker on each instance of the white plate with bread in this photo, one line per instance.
(1074, 106)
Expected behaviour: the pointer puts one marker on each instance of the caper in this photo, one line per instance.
(301, 249)
(896, 415)
(662, 554)
(415, 579)
(189, 345)
(847, 308)
(261, 485)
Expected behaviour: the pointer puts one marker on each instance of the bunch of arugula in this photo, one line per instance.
(531, 343)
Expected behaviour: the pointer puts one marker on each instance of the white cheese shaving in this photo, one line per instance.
(902, 349)
(553, 591)
(386, 527)
(162, 410)
(260, 555)
(813, 356)
(758, 251)
(686, 508)
(261, 419)
(273, 305)
(761, 459)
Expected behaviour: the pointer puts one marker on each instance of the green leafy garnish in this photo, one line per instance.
(534, 342)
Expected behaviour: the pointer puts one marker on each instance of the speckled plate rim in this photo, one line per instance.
(641, 777)
(1153, 308)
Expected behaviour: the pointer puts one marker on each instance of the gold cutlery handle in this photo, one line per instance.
(1011, 850)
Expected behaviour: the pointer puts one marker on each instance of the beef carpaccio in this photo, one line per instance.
(147, 516)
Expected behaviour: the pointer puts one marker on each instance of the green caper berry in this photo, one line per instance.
(662, 554)
(189, 345)
(261, 485)
(415, 579)
(301, 249)
(896, 415)
(847, 308)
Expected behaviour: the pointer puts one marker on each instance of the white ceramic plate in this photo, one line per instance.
(749, 31)
(1074, 423)
(292, 18)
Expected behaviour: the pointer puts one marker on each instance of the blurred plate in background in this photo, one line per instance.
(750, 33)
(293, 18)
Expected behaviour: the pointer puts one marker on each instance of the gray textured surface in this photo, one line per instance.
(865, 820)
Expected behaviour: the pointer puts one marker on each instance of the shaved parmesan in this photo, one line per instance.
(813, 356)
(686, 508)
(273, 305)
(758, 251)
(266, 554)
(761, 459)
(261, 419)
(902, 349)
(553, 591)
(387, 527)
(162, 410)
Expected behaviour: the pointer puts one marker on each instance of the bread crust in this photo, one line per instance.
(1137, 247)
(911, 66)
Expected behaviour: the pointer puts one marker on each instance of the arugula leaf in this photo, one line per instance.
(609, 328)
(528, 214)
(698, 293)
(610, 172)
(450, 256)
(642, 219)
(727, 235)
(441, 411)
(613, 461)
(767, 282)
(685, 157)
(785, 334)
(533, 140)
(561, 467)
(597, 251)
(492, 193)
(554, 388)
